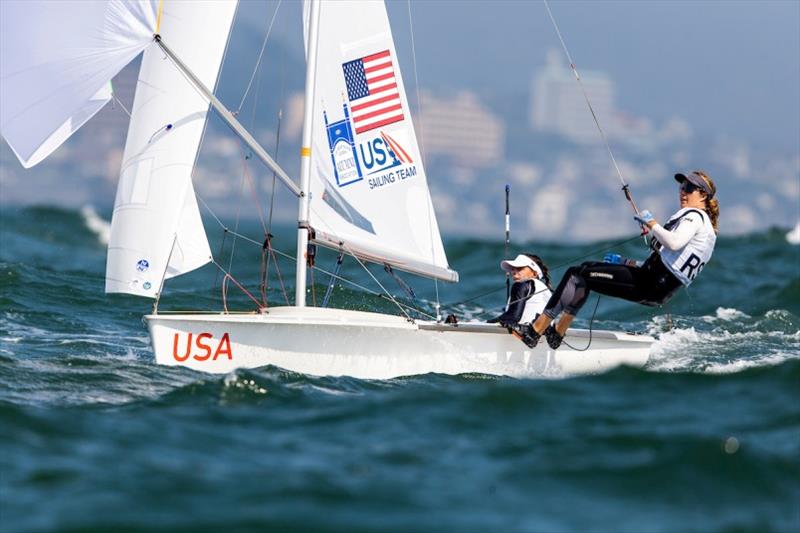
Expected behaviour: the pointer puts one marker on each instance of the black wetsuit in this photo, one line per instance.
(650, 284)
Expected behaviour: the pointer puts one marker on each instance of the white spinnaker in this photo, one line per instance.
(156, 229)
(56, 60)
(369, 193)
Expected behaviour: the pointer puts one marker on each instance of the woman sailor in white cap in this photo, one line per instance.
(681, 248)
(529, 293)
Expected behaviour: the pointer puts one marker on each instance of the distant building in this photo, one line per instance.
(558, 104)
(461, 128)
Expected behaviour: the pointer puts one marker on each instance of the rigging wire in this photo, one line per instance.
(117, 100)
(235, 233)
(422, 148)
(625, 186)
(386, 295)
(260, 56)
(360, 262)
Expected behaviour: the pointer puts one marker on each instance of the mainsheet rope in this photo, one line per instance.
(625, 186)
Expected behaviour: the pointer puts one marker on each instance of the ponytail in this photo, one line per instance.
(712, 204)
(712, 209)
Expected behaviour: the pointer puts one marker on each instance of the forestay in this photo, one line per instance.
(368, 193)
(156, 228)
(56, 62)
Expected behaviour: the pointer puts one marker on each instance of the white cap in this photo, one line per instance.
(519, 262)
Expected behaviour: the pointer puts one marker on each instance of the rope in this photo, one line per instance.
(400, 281)
(591, 322)
(253, 189)
(238, 216)
(360, 262)
(229, 276)
(332, 283)
(625, 186)
(276, 252)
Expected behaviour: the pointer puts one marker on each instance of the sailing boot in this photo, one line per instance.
(527, 334)
(553, 338)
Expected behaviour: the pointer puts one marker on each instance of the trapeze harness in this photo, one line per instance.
(653, 283)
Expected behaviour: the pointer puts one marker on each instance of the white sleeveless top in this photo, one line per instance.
(536, 303)
(686, 262)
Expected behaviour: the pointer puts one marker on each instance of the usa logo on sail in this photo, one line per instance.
(372, 91)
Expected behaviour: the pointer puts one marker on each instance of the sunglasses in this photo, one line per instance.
(689, 188)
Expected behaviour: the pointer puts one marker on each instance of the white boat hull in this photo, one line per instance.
(335, 342)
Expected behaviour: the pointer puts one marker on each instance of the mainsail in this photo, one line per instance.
(156, 228)
(368, 193)
(56, 62)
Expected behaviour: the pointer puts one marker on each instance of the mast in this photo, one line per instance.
(230, 120)
(305, 155)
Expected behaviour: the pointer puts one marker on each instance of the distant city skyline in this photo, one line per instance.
(724, 66)
(480, 134)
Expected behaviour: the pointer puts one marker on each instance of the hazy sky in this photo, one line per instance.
(731, 67)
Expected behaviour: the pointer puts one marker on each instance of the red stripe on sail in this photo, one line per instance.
(377, 112)
(382, 99)
(373, 57)
(383, 89)
(382, 66)
(374, 125)
(382, 77)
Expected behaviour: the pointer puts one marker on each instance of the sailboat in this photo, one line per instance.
(362, 190)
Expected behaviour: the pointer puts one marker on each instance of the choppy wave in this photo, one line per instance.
(98, 437)
(95, 223)
(728, 341)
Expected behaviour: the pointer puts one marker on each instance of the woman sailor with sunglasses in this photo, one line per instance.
(681, 248)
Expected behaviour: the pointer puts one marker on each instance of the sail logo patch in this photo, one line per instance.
(341, 142)
(382, 153)
(142, 265)
(372, 91)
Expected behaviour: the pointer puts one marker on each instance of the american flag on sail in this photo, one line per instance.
(372, 91)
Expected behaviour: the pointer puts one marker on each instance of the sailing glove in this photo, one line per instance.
(644, 217)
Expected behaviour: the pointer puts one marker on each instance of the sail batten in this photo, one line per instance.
(368, 189)
(156, 229)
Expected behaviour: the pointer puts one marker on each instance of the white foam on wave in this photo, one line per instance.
(719, 351)
(96, 224)
(793, 237)
(725, 314)
(735, 342)
(727, 342)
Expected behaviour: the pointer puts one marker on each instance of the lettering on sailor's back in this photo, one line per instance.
(692, 263)
(203, 343)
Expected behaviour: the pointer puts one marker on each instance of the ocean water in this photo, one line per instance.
(96, 437)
